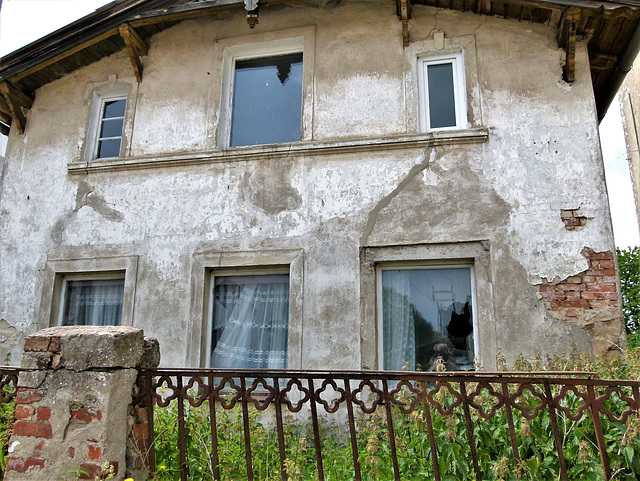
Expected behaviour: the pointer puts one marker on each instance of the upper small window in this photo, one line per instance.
(91, 301)
(249, 321)
(110, 128)
(267, 100)
(442, 92)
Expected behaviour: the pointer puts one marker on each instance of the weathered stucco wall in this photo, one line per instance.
(505, 192)
(630, 99)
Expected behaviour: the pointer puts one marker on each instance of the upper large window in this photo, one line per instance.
(249, 321)
(267, 100)
(427, 313)
(442, 92)
(263, 90)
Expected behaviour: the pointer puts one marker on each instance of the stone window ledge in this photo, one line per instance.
(367, 144)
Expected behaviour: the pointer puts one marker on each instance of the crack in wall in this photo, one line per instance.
(385, 201)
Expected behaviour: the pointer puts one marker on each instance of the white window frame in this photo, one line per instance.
(88, 276)
(454, 264)
(107, 93)
(103, 102)
(234, 53)
(459, 90)
(255, 271)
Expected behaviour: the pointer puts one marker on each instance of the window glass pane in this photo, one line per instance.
(442, 108)
(111, 128)
(108, 148)
(250, 321)
(267, 100)
(427, 313)
(114, 108)
(93, 302)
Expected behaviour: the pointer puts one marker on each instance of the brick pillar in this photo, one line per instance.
(73, 402)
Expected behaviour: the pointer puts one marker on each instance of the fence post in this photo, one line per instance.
(73, 402)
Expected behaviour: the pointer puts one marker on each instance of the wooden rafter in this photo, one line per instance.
(567, 37)
(16, 100)
(135, 46)
(404, 12)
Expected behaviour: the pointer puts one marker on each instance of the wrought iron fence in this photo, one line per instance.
(214, 424)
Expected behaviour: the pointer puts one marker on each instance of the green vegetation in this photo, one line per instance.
(629, 267)
(535, 440)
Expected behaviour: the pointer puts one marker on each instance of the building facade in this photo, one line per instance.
(352, 185)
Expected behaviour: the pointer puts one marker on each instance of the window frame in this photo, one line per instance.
(239, 272)
(99, 97)
(87, 276)
(204, 263)
(103, 103)
(228, 50)
(55, 270)
(422, 265)
(456, 59)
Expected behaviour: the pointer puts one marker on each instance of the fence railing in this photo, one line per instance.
(214, 424)
(8, 383)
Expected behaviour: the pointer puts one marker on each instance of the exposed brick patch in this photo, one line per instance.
(27, 396)
(594, 288)
(38, 448)
(33, 429)
(83, 415)
(94, 454)
(572, 219)
(44, 414)
(72, 452)
(24, 412)
(91, 471)
(22, 465)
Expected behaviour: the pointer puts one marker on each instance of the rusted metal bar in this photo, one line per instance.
(247, 430)
(430, 433)
(280, 431)
(556, 431)
(597, 426)
(182, 441)
(352, 431)
(215, 461)
(469, 426)
(150, 446)
(512, 430)
(316, 431)
(224, 392)
(392, 435)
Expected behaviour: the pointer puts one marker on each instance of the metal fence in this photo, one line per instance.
(8, 383)
(214, 424)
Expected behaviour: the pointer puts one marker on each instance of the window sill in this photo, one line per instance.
(262, 152)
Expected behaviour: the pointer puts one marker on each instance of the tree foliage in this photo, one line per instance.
(629, 266)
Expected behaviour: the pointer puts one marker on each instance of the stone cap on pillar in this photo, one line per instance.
(81, 348)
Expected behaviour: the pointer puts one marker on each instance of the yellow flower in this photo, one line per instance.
(129, 479)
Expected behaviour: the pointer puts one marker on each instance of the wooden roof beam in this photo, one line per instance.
(16, 100)
(404, 12)
(567, 38)
(135, 46)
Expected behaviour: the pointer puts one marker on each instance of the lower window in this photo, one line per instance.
(91, 301)
(249, 321)
(427, 313)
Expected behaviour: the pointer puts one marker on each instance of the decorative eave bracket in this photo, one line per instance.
(567, 37)
(17, 100)
(251, 6)
(135, 46)
(404, 13)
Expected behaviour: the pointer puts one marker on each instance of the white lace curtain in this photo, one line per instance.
(93, 302)
(250, 322)
(398, 324)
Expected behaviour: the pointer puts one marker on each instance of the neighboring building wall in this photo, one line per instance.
(630, 99)
(334, 208)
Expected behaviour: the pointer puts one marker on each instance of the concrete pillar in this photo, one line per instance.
(73, 403)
